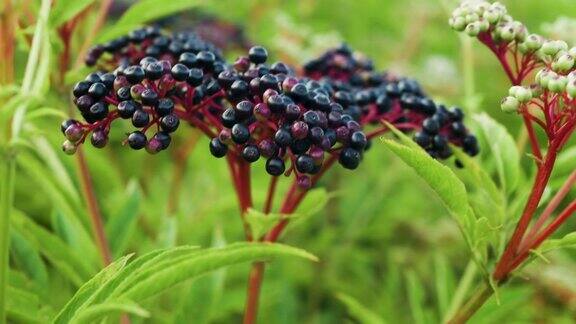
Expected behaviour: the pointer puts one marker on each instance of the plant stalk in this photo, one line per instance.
(473, 305)
(7, 176)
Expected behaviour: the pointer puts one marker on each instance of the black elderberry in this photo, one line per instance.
(275, 166)
(229, 118)
(422, 139)
(311, 118)
(93, 78)
(140, 118)
(300, 146)
(268, 81)
(456, 114)
(392, 90)
(108, 79)
(81, 88)
(299, 92)
(358, 140)
(251, 153)
(147, 60)
(440, 142)
(239, 90)
(169, 123)
(134, 74)
(179, 72)
(305, 163)
(316, 135)
(349, 158)
(268, 148)
(137, 140)
(240, 134)
(282, 137)
(165, 107)
(149, 97)
(217, 148)
(277, 104)
(126, 109)
(244, 109)
(195, 77)
(470, 145)
(226, 78)
(97, 90)
(164, 138)
(205, 59)
(154, 71)
(430, 126)
(257, 54)
(84, 103)
(458, 128)
(67, 123)
(292, 112)
(98, 111)
(123, 94)
(99, 138)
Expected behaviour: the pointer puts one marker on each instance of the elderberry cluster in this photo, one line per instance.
(147, 42)
(373, 97)
(281, 117)
(153, 94)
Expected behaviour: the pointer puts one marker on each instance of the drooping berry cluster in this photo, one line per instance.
(284, 118)
(154, 95)
(373, 97)
(147, 42)
(251, 109)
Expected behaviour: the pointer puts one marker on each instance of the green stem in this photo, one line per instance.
(473, 305)
(7, 176)
(462, 290)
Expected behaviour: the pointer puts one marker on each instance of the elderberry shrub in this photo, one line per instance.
(147, 42)
(372, 97)
(154, 95)
(284, 119)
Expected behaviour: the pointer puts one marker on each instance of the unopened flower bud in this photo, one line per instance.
(510, 104)
(457, 23)
(523, 94)
(472, 17)
(571, 88)
(492, 16)
(473, 29)
(558, 84)
(533, 42)
(563, 63)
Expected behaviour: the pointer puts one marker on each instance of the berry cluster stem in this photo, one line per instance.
(93, 208)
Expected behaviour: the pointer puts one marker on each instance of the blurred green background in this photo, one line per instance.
(384, 238)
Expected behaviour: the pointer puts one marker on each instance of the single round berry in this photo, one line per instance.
(149, 97)
(69, 147)
(358, 140)
(137, 140)
(228, 118)
(305, 163)
(240, 134)
(244, 109)
(81, 88)
(99, 138)
(299, 130)
(205, 59)
(140, 118)
(349, 158)
(283, 138)
(275, 166)
(84, 103)
(165, 107)
(251, 153)
(153, 71)
(126, 109)
(217, 148)
(180, 72)
(257, 54)
(98, 90)
(123, 94)
(239, 90)
(431, 126)
(98, 111)
(169, 123)
(195, 77)
(422, 139)
(67, 123)
(134, 74)
(164, 138)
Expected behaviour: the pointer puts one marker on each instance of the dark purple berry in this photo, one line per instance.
(165, 107)
(217, 148)
(81, 88)
(149, 98)
(137, 140)
(305, 163)
(99, 138)
(140, 118)
(240, 134)
(358, 140)
(257, 54)
(169, 123)
(126, 109)
(250, 153)
(349, 158)
(275, 166)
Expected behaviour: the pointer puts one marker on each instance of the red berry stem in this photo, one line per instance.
(270, 194)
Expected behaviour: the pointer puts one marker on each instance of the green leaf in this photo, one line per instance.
(24, 307)
(44, 112)
(358, 311)
(502, 149)
(444, 281)
(65, 10)
(261, 223)
(145, 11)
(568, 241)
(206, 261)
(120, 226)
(439, 177)
(28, 259)
(416, 296)
(160, 270)
(53, 248)
(95, 313)
(88, 289)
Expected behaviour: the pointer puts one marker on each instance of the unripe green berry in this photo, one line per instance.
(510, 104)
(558, 84)
(523, 94)
(484, 24)
(69, 147)
(492, 16)
(553, 47)
(507, 33)
(514, 90)
(472, 17)
(457, 23)
(563, 63)
(473, 29)
(571, 88)
(544, 76)
(520, 31)
(481, 8)
(533, 42)
(572, 51)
